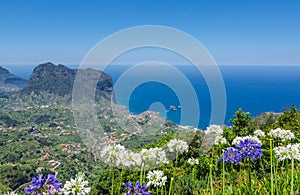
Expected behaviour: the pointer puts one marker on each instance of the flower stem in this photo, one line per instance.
(112, 176)
(275, 176)
(210, 173)
(223, 167)
(141, 175)
(249, 173)
(292, 181)
(121, 179)
(271, 162)
(174, 172)
(171, 186)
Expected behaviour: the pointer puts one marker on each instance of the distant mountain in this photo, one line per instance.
(9, 82)
(58, 80)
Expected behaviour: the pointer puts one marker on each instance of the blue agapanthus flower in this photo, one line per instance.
(40, 184)
(231, 155)
(249, 149)
(137, 189)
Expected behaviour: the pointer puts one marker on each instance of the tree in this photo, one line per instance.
(241, 123)
(290, 119)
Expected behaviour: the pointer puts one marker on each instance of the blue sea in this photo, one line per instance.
(255, 89)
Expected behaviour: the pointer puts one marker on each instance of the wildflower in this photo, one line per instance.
(215, 132)
(137, 189)
(160, 154)
(284, 135)
(153, 157)
(178, 146)
(288, 152)
(113, 154)
(231, 155)
(249, 148)
(48, 184)
(259, 133)
(193, 161)
(77, 186)
(132, 160)
(238, 140)
(156, 178)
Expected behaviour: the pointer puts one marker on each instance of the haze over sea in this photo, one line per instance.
(256, 89)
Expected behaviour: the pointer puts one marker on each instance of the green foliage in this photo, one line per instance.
(185, 184)
(241, 123)
(235, 178)
(290, 119)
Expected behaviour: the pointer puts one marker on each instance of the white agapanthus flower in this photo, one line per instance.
(237, 140)
(283, 134)
(153, 156)
(76, 186)
(161, 156)
(215, 132)
(156, 178)
(179, 146)
(193, 161)
(132, 160)
(113, 154)
(288, 152)
(11, 193)
(259, 133)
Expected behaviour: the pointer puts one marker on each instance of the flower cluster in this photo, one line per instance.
(259, 133)
(245, 147)
(40, 184)
(282, 134)
(77, 186)
(193, 161)
(118, 155)
(249, 148)
(156, 178)
(132, 159)
(238, 140)
(153, 156)
(113, 154)
(137, 189)
(215, 132)
(178, 146)
(288, 152)
(231, 155)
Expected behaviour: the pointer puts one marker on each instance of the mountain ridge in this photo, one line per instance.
(59, 80)
(9, 82)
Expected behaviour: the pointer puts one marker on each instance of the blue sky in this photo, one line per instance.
(247, 32)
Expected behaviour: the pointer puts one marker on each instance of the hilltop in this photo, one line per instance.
(59, 79)
(9, 82)
(53, 84)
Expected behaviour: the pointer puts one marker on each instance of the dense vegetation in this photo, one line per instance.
(38, 135)
(267, 173)
(264, 175)
(36, 139)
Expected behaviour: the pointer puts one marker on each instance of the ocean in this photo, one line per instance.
(255, 89)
